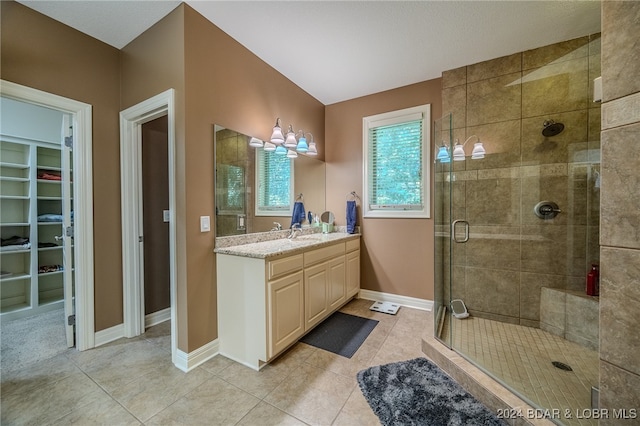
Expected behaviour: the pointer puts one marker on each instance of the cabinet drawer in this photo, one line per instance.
(281, 267)
(319, 255)
(353, 245)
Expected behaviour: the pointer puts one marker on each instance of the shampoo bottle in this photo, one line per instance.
(593, 281)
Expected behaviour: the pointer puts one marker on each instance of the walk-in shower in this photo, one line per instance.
(517, 231)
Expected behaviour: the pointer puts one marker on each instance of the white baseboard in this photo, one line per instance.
(155, 318)
(188, 361)
(110, 334)
(409, 302)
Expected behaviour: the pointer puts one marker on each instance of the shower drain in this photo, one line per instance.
(561, 366)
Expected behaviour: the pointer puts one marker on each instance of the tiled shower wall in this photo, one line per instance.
(232, 149)
(620, 292)
(511, 253)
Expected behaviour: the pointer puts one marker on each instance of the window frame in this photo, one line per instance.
(397, 117)
(274, 212)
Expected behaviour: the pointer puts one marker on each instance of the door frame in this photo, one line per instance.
(131, 121)
(83, 200)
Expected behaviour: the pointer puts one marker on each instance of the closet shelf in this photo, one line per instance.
(14, 197)
(14, 165)
(15, 251)
(14, 224)
(13, 179)
(15, 277)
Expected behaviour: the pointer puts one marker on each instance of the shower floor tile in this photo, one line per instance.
(521, 358)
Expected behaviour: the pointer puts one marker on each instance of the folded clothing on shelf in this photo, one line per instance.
(49, 268)
(17, 247)
(48, 175)
(14, 241)
(50, 217)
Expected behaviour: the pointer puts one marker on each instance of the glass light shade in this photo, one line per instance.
(281, 150)
(478, 151)
(443, 155)
(276, 137)
(269, 147)
(302, 145)
(292, 154)
(458, 153)
(255, 143)
(312, 149)
(291, 141)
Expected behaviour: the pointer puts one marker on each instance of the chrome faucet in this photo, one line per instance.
(277, 227)
(296, 229)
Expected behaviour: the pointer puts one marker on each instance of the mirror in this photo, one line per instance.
(235, 185)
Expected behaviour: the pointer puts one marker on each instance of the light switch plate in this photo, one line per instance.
(205, 223)
(166, 215)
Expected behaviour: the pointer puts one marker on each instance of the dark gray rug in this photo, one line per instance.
(417, 392)
(341, 334)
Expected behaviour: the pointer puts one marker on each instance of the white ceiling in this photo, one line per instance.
(339, 50)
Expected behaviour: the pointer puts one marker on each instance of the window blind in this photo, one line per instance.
(274, 181)
(395, 179)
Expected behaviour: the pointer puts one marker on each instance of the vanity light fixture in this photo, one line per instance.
(293, 144)
(255, 143)
(458, 151)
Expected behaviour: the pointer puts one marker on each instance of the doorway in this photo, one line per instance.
(71, 253)
(155, 218)
(132, 125)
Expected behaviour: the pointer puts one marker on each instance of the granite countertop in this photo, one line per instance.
(285, 246)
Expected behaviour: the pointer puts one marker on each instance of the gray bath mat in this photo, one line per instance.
(341, 334)
(417, 392)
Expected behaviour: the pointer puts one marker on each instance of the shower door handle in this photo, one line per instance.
(466, 231)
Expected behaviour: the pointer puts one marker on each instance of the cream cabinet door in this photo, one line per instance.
(337, 288)
(353, 273)
(286, 312)
(316, 282)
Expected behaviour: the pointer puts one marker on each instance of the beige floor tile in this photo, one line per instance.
(36, 375)
(215, 402)
(312, 395)
(257, 383)
(50, 401)
(103, 411)
(265, 414)
(356, 412)
(149, 394)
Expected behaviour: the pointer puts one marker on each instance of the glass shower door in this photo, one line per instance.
(442, 217)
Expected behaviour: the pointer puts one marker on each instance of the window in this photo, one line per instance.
(396, 163)
(274, 180)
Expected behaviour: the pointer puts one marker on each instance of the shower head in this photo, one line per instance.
(551, 128)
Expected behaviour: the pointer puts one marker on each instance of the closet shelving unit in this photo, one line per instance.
(24, 197)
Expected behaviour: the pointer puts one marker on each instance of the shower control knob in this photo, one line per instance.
(546, 210)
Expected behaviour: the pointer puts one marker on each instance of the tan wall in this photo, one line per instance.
(397, 254)
(44, 54)
(245, 95)
(147, 71)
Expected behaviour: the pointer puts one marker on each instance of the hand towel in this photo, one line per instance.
(298, 213)
(351, 216)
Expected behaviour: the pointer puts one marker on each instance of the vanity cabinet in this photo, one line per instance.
(265, 304)
(352, 265)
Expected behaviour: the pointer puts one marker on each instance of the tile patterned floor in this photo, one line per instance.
(132, 382)
(521, 357)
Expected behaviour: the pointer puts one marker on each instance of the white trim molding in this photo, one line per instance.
(109, 335)
(131, 120)
(155, 318)
(409, 302)
(83, 200)
(188, 361)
